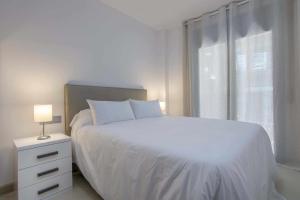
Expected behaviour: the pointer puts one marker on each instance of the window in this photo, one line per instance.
(253, 90)
(254, 80)
(213, 81)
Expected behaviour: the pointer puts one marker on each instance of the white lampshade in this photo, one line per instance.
(42, 113)
(163, 106)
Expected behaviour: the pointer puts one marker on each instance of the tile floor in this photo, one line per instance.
(288, 184)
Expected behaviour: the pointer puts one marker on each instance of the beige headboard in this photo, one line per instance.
(76, 95)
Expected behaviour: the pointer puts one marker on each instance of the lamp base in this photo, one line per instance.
(43, 137)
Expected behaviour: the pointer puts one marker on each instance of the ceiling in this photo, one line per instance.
(164, 13)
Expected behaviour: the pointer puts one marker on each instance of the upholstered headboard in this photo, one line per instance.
(76, 96)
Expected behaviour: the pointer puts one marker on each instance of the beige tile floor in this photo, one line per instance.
(81, 191)
(288, 184)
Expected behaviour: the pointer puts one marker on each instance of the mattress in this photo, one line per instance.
(177, 158)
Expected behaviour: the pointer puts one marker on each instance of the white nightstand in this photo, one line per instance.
(44, 167)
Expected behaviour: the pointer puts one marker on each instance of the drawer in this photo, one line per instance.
(40, 155)
(39, 173)
(46, 189)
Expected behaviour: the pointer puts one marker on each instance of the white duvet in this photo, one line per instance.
(177, 158)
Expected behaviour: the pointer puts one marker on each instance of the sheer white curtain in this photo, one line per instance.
(208, 46)
(251, 63)
(243, 65)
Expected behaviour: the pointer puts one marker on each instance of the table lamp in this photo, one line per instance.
(42, 114)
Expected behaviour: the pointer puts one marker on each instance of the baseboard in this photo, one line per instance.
(7, 188)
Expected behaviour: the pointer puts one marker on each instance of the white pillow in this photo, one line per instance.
(83, 118)
(105, 112)
(145, 109)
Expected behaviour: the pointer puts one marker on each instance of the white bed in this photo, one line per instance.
(177, 158)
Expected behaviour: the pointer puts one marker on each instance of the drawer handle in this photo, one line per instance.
(48, 172)
(48, 189)
(47, 155)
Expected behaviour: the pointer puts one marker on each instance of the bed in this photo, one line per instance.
(170, 158)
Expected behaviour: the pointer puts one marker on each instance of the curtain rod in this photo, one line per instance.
(214, 12)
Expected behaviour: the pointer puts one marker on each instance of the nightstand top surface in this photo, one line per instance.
(33, 142)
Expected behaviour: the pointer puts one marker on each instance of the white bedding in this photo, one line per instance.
(177, 158)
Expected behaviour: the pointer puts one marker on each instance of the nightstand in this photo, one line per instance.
(44, 167)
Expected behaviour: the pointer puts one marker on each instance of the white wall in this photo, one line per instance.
(174, 55)
(47, 43)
